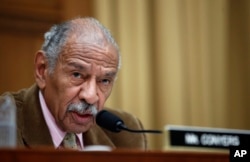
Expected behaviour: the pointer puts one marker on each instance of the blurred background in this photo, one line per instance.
(184, 62)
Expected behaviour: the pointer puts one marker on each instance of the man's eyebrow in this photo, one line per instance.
(111, 74)
(76, 65)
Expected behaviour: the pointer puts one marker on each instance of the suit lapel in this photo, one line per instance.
(34, 131)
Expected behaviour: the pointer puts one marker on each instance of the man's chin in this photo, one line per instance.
(79, 129)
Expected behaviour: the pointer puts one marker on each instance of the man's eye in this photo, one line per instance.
(105, 81)
(77, 75)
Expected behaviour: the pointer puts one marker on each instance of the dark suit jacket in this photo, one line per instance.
(32, 130)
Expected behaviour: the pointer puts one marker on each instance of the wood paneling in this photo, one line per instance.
(22, 25)
(16, 55)
(28, 16)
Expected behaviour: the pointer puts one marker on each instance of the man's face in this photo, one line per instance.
(84, 76)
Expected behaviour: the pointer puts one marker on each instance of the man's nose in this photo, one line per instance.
(89, 92)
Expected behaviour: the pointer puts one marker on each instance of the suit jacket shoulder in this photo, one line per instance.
(32, 130)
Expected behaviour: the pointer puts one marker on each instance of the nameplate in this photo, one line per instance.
(206, 137)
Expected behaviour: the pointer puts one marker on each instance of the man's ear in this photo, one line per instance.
(41, 69)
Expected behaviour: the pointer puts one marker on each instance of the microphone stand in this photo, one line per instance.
(121, 126)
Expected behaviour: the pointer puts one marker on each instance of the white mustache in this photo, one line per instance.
(83, 108)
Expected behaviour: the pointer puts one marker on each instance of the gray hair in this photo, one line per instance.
(56, 37)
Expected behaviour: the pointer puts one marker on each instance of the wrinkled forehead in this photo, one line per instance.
(90, 42)
(86, 49)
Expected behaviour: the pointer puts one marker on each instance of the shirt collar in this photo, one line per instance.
(56, 133)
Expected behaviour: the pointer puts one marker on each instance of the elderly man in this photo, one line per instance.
(74, 71)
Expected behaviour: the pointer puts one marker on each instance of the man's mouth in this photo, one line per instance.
(82, 118)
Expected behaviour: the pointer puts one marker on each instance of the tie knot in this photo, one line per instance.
(69, 141)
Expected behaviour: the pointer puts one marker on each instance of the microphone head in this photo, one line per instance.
(108, 121)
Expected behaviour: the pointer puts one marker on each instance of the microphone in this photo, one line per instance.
(113, 123)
